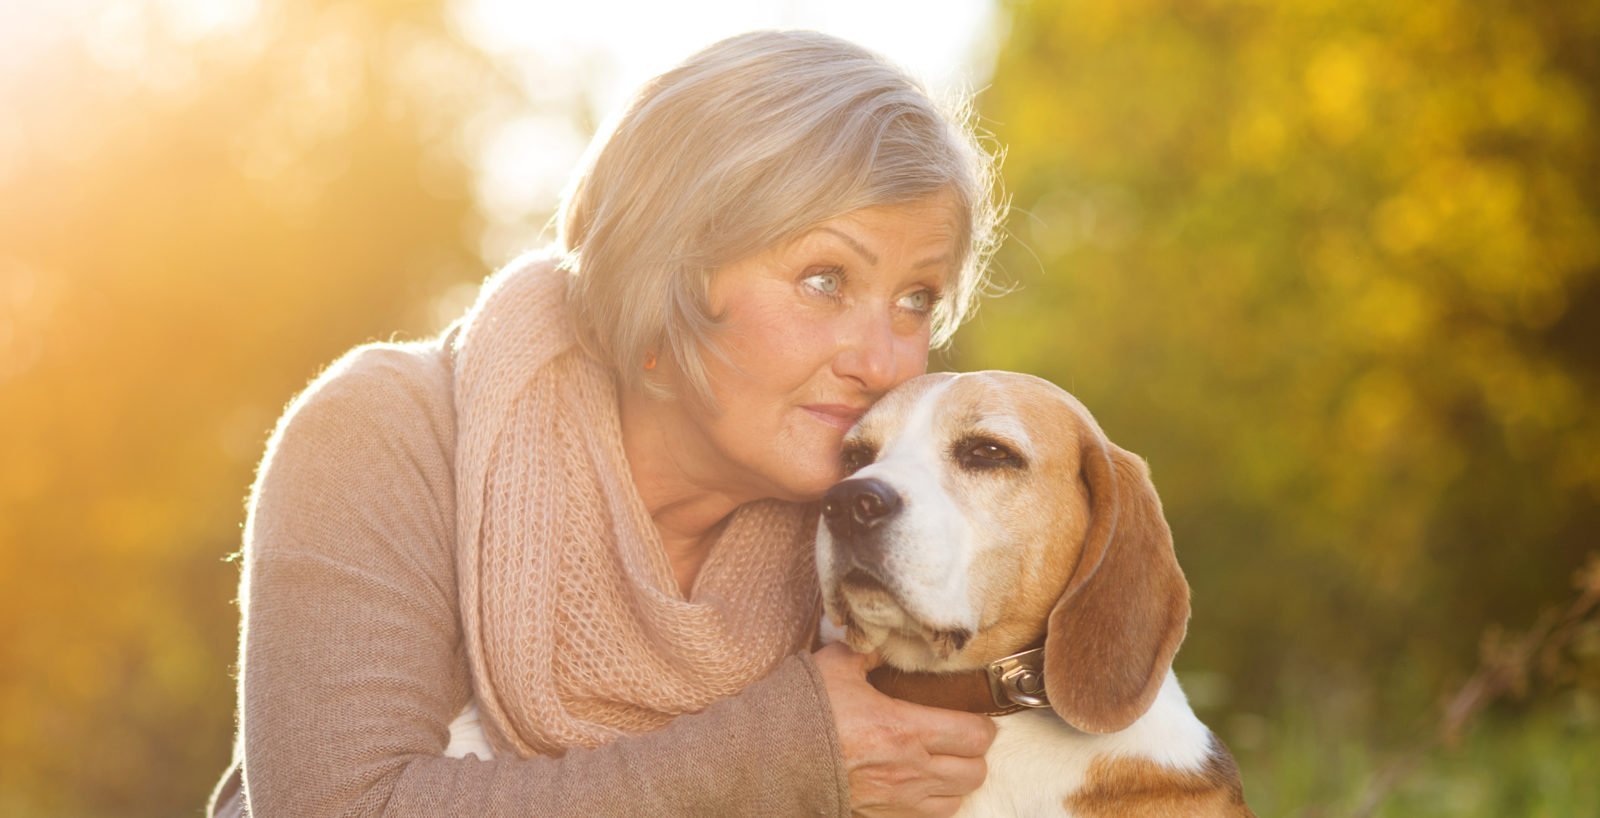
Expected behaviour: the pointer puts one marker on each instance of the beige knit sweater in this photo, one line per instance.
(351, 656)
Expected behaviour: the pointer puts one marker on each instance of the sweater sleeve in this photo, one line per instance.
(352, 664)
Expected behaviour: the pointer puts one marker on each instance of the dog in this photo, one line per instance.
(1004, 557)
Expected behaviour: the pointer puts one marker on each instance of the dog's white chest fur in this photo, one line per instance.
(1037, 761)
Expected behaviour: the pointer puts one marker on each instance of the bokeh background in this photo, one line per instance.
(1332, 267)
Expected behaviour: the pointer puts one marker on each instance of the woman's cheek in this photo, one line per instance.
(911, 357)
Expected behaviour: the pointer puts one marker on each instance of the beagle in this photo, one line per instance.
(1004, 557)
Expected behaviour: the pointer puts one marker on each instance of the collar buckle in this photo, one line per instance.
(1018, 679)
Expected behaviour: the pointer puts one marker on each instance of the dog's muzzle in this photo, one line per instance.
(854, 508)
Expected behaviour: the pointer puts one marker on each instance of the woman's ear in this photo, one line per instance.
(1119, 621)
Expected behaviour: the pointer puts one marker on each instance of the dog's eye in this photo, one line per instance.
(986, 454)
(856, 458)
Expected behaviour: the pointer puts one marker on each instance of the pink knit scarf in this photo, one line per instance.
(574, 625)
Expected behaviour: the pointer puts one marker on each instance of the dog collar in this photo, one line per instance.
(1006, 685)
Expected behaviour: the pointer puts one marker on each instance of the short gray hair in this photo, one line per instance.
(747, 144)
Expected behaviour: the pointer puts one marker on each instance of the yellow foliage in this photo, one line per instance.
(1332, 268)
(1336, 85)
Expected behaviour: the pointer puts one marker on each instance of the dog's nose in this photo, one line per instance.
(855, 507)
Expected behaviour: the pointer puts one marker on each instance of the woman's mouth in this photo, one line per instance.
(839, 416)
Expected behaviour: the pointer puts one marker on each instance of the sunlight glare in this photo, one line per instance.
(591, 55)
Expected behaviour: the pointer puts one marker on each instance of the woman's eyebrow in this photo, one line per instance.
(857, 246)
(871, 257)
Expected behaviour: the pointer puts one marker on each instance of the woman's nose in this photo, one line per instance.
(867, 354)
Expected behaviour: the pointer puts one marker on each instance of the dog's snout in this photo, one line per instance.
(855, 507)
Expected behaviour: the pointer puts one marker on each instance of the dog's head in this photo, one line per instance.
(985, 509)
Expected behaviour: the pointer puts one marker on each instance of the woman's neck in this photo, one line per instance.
(675, 472)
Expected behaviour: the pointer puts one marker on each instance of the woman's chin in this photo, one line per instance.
(807, 464)
(808, 485)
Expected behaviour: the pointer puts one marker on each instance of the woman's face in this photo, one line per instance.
(813, 332)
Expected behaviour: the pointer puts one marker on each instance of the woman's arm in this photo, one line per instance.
(352, 662)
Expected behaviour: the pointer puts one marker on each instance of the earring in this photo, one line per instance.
(650, 361)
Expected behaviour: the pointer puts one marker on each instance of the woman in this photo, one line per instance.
(588, 507)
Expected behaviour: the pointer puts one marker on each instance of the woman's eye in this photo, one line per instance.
(827, 283)
(919, 301)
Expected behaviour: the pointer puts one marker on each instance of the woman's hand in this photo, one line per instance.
(904, 759)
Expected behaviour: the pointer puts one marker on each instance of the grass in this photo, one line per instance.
(1539, 764)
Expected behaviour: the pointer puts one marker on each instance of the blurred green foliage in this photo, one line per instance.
(1334, 268)
(1533, 765)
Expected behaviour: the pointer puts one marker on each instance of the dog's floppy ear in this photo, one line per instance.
(1118, 623)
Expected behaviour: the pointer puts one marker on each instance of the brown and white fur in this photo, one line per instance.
(1010, 516)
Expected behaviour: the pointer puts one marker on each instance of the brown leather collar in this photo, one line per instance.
(1004, 686)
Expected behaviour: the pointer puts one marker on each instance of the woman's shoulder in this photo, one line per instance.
(400, 392)
(392, 382)
(371, 438)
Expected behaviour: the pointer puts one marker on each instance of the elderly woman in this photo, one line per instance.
(589, 506)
